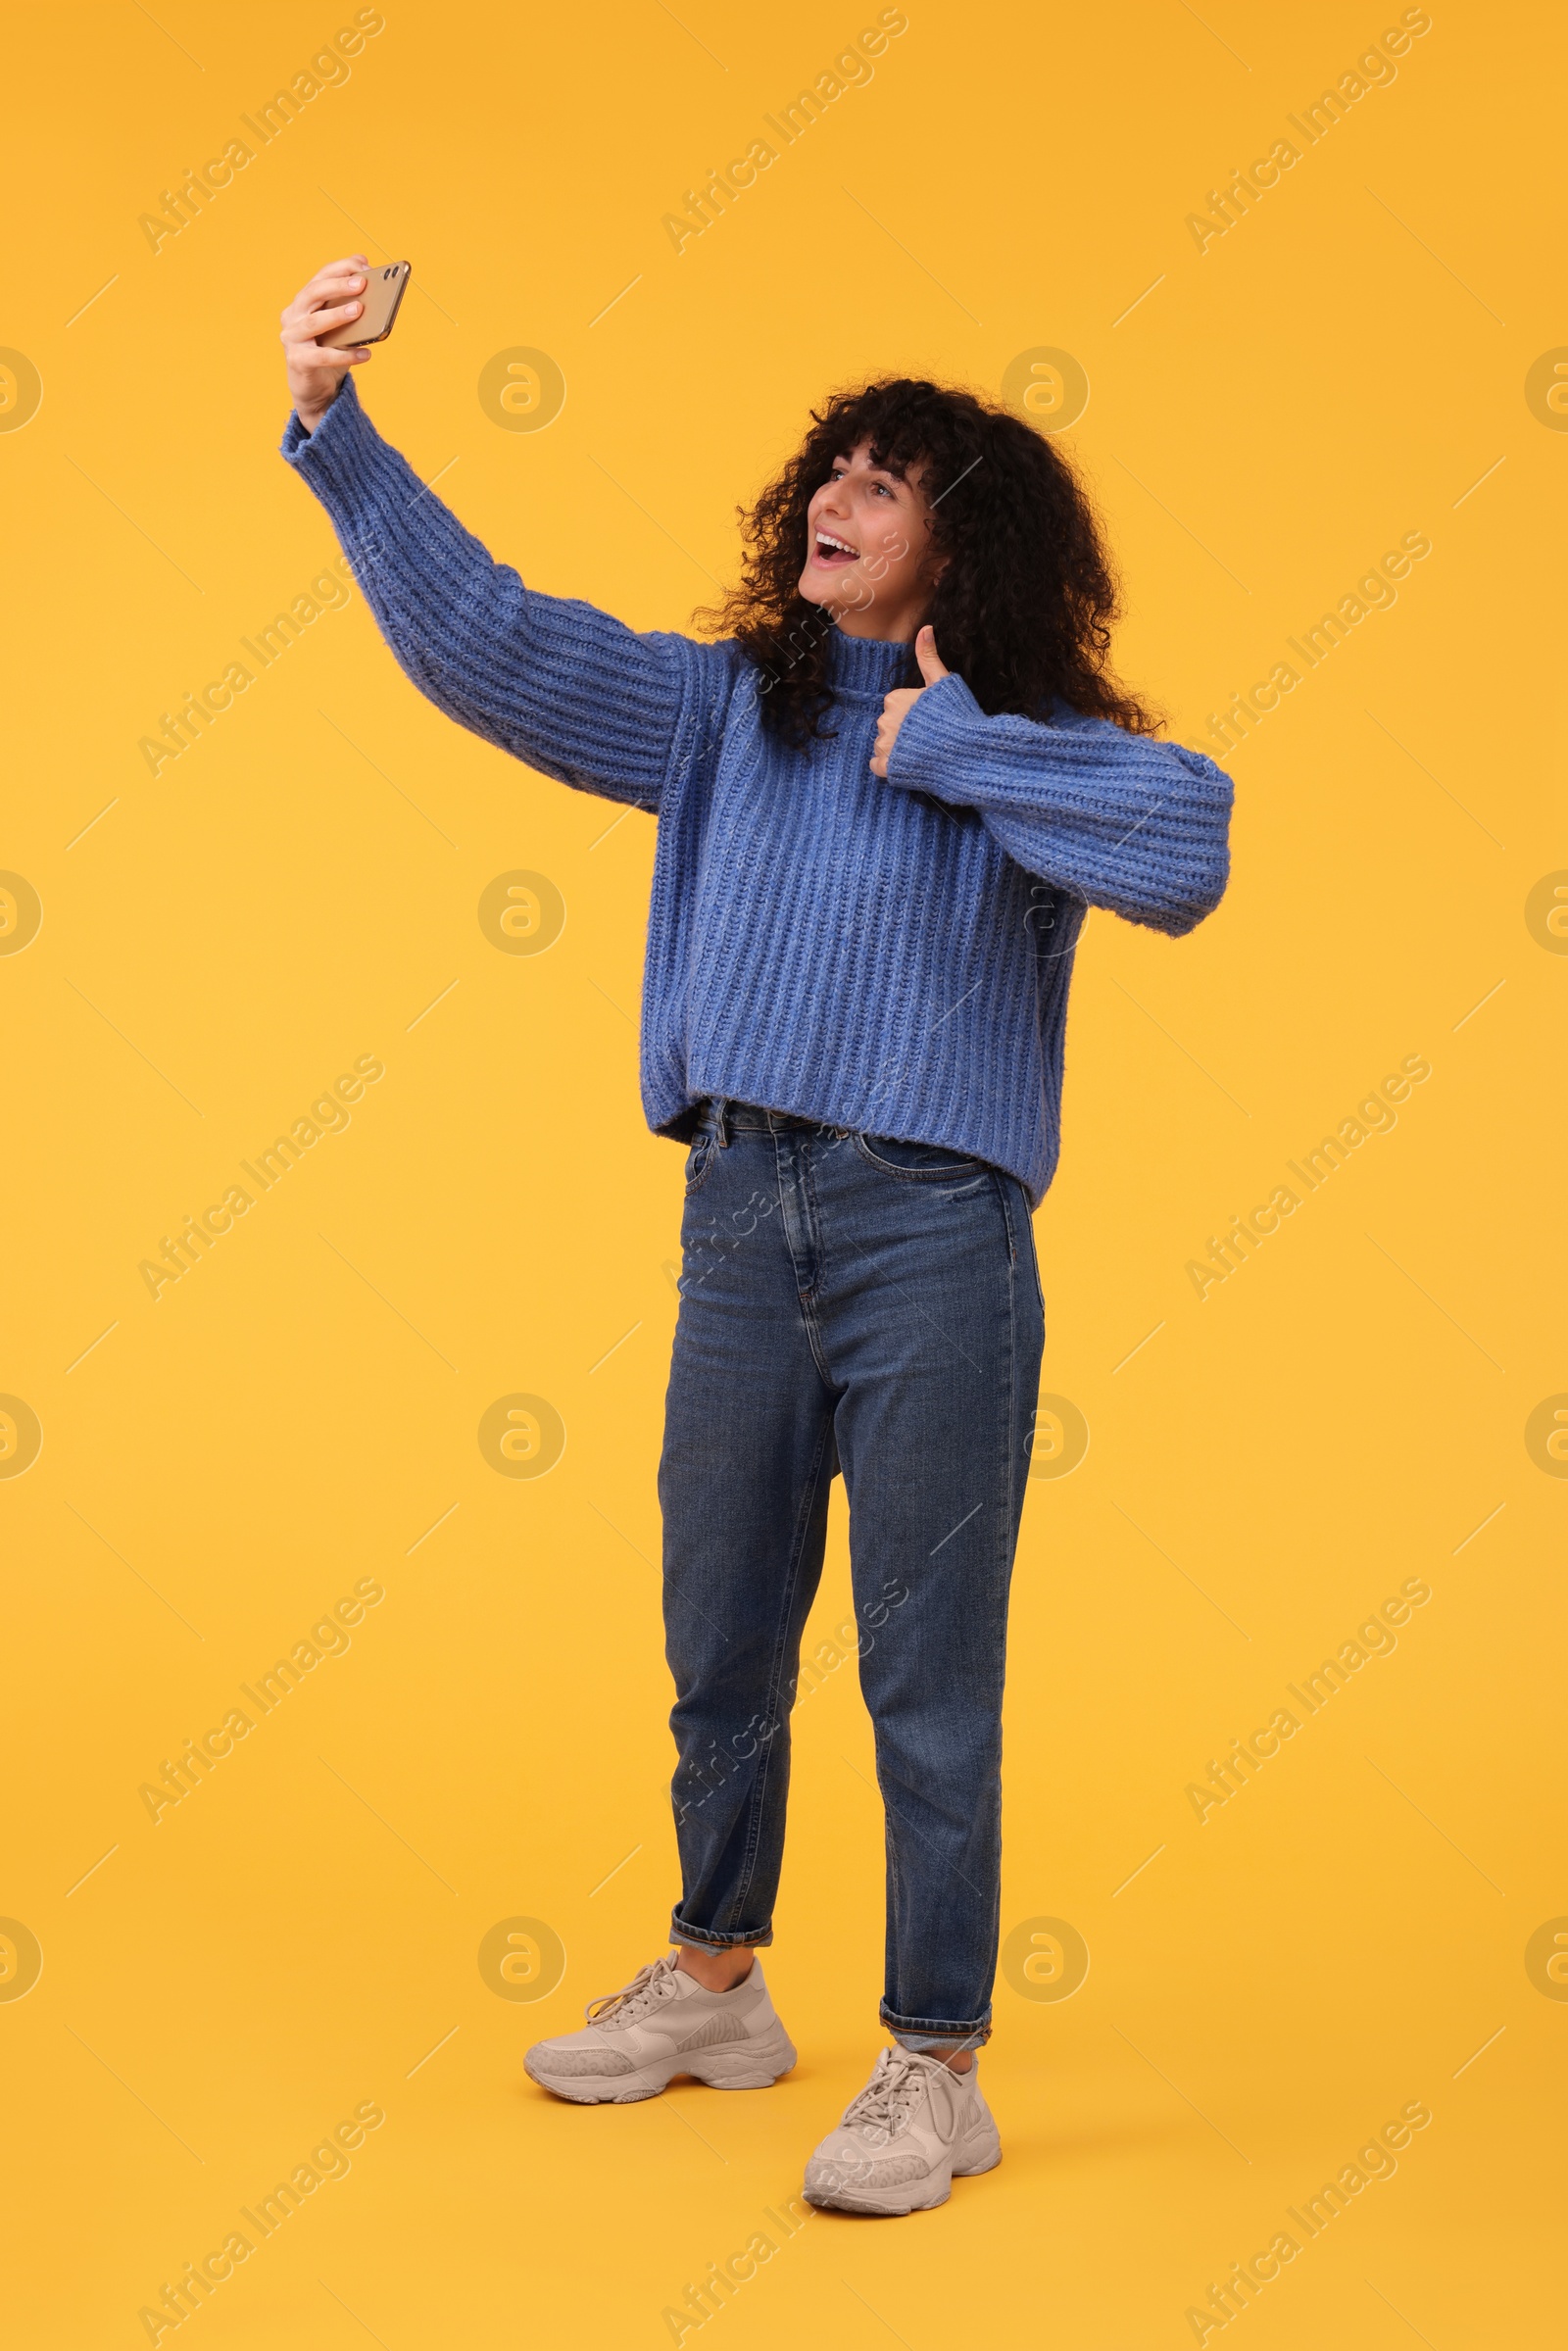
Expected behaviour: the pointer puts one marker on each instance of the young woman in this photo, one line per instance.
(872, 865)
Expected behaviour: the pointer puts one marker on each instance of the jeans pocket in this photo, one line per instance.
(1021, 1237)
(699, 1163)
(916, 1162)
(1033, 1252)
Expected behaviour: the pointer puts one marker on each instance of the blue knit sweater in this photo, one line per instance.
(819, 940)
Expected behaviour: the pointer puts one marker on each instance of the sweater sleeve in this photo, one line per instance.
(1137, 826)
(568, 689)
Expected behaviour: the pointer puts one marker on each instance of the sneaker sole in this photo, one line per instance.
(755, 2065)
(982, 2153)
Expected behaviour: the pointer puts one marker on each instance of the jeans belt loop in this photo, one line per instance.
(722, 1121)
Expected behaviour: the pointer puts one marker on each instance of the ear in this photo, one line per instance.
(932, 667)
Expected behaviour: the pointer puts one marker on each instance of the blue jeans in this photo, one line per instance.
(871, 1307)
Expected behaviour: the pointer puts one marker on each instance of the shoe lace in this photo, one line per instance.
(647, 1988)
(890, 2096)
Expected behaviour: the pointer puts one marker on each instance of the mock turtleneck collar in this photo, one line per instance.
(864, 665)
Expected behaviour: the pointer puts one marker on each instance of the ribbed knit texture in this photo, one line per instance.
(819, 940)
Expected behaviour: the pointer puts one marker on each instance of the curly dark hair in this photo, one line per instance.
(1024, 607)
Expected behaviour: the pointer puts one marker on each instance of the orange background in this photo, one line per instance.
(299, 1413)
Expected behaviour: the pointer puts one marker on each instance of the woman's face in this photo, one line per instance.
(869, 561)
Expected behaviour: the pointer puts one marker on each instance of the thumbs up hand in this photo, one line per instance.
(897, 704)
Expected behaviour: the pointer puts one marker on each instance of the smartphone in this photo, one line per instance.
(383, 292)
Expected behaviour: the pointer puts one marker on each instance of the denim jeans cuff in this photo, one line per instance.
(713, 1938)
(932, 2036)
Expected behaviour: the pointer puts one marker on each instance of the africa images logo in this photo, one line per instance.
(329, 1115)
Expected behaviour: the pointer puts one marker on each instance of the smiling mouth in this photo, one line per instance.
(832, 553)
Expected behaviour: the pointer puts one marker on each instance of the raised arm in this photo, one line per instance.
(555, 682)
(1137, 826)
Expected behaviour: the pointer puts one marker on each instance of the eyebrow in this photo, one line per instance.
(894, 472)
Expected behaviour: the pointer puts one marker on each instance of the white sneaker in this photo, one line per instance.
(915, 2127)
(660, 2024)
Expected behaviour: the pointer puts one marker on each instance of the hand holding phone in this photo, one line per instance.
(329, 326)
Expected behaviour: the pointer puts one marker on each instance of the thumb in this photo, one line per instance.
(932, 667)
